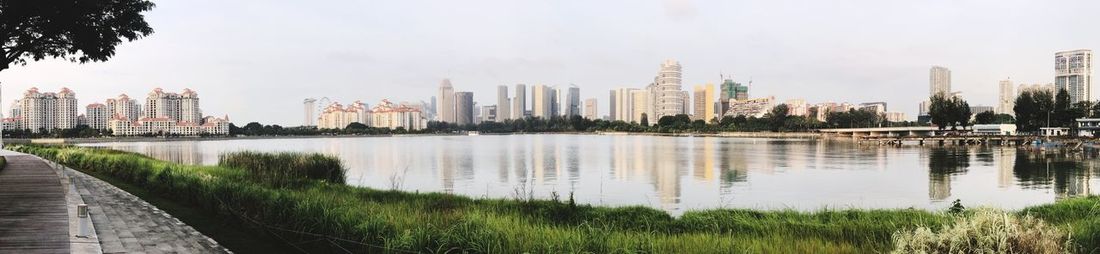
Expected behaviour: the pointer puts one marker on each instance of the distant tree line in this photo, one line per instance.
(1039, 108)
(80, 131)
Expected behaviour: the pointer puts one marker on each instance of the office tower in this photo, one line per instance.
(570, 103)
(1007, 99)
(685, 102)
(669, 96)
(1073, 73)
(591, 112)
(612, 106)
(704, 102)
(939, 81)
(446, 106)
(490, 113)
(557, 97)
(97, 116)
(503, 106)
(519, 103)
(541, 101)
(464, 108)
(66, 109)
(310, 112)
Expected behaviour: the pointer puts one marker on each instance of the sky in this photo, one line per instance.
(257, 60)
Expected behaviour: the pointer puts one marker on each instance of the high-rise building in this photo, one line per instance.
(704, 102)
(97, 116)
(47, 111)
(731, 91)
(542, 101)
(490, 113)
(1007, 99)
(641, 105)
(571, 104)
(669, 94)
(66, 109)
(685, 102)
(591, 111)
(557, 99)
(503, 105)
(797, 107)
(189, 107)
(612, 106)
(939, 81)
(1073, 73)
(336, 116)
(464, 108)
(519, 103)
(310, 112)
(124, 107)
(446, 106)
(624, 104)
(388, 115)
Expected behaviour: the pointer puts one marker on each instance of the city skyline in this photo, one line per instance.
(817, 56)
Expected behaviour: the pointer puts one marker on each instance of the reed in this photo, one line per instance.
(395, 221)
(286, 169)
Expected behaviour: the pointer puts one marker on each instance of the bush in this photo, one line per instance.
(985, 231)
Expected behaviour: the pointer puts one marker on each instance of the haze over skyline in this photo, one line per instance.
(257, 60)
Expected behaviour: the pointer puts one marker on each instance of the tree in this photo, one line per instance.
(356, 126)
(961, 109)
(938, 109)
(986, 117)
(1033, 109)
(78, 31)
(1061, 115)
(777, 117)
(645, 120)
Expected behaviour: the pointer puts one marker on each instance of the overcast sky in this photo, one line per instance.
(256, 60)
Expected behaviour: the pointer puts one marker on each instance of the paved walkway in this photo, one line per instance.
(126, 224)
(33, 215)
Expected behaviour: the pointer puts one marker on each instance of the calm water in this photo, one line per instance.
(683, 173)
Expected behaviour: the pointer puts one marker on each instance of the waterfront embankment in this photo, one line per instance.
(323, 214)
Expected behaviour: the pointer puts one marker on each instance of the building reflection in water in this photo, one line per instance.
(184, 152)
(1068, 174)
(943, 164)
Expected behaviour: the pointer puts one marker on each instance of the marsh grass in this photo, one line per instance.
(286, 169)
(396, 221)
(985, 231)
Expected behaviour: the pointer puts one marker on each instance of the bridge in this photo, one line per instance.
(914, 131)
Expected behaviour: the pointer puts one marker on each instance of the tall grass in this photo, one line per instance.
(986, 231)
(394, 221)
(285, 169)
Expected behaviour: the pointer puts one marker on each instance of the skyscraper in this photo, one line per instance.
(310, 108)
(66, 109)
(704, 102)
(98, 115)
(939, 81)
(623, 107)
(1007, 99)
(503, 106)
(542, 101)
(47, 111)
(519, 103)
(591, 111)
(464, 108)
(571, 105)
(446, 106)
(612, 106)
(669, 97)
(1073, 73)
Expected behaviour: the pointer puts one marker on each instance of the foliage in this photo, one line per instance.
(78, 31)
(985, 231)
(1033, 109)
(949, 111)
(987, 117)
(80, 131)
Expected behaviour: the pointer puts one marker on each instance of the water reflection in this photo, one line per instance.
(683, 173)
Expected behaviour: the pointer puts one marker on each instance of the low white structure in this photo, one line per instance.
(1086, 127)
(1053, 131)
(994, 129)
(751, 108)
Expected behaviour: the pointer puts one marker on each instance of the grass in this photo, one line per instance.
(369, 220)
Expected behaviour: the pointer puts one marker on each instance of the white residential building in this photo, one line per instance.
(166, 126)
(751, 108)
(939, 81)
(591, 109)
(336, 116)
(47, 111)
(446, 106)
(1073, 73)
(1007, 99)
(542, 101)
(504, 105)
(310, 112)
(388, 115)
(67, 109)
(669, 95)
(124, 106)
(97, 115)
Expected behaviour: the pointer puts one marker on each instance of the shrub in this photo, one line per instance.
(985, 231)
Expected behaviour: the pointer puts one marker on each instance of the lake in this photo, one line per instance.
(676, 174)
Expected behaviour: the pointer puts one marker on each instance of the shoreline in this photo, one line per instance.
(795, 135)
